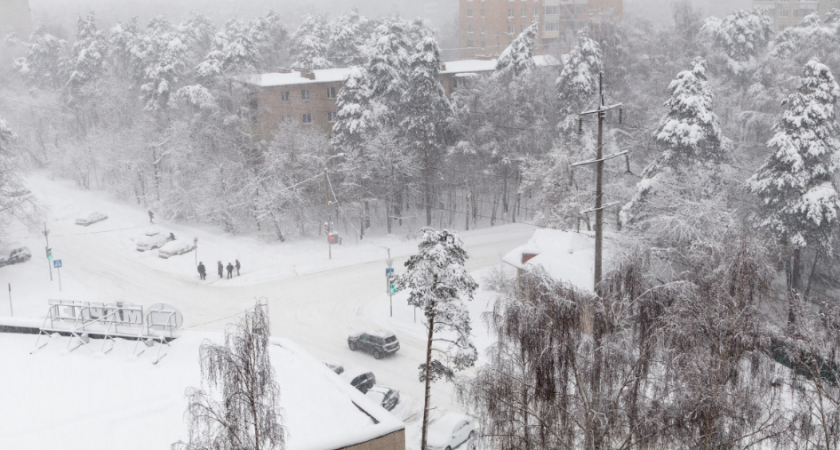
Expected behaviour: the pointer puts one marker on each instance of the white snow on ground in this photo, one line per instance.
(314, 301)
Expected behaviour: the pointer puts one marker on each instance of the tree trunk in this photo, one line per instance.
(428, 382)
(811, 274)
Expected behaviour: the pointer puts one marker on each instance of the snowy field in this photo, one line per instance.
(314, 301)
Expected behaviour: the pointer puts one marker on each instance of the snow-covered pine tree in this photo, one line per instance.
(799, 202)
(439, 283)
(309, 44)
(690, 129)
(388, 69)
(679, 200)
(16, 203)
(742, 36)
(811, 38)
(578, 80)
(85, 65)
(164, 61)
(197, 32)
(42, 64)
(518, 56)
(426, 111)
(269, 36)
(347, 39)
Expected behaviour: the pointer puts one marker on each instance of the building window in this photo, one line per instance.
(783, 13)
(522, 28)
(510, 29)
(482, 13)
(469, 13)
(469, 28)
(591, 9)
(510, 13)
(482, 29)
(482, 45)
(304, 94)
(523, 12)
(552, 26)
(331, 116)
(285, 96)
(536, 12)
(600, 10)
(331, 92)
(552, 10)
(307, 118)
(469, 44)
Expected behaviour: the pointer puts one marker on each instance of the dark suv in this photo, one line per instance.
(378, 343)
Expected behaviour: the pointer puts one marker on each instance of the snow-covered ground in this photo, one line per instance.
(314, 301)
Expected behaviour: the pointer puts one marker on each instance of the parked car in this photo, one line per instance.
(378, 343)
(17, 255)
(450, 431)
(335, 367)
(91, 219)
(152, 240)
(176, 247)
(361, 379)
(384, 396)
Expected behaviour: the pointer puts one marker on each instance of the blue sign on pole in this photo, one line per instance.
(389, 271)
(57, 263)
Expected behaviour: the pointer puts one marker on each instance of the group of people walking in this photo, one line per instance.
(202, 271)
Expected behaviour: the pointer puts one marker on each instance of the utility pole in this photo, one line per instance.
(48, 249)
(599, 191)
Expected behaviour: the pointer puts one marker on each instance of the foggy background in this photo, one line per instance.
(441, 15)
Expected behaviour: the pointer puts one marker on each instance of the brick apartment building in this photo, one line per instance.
(789, 13)
(308, 99)
(486, 27)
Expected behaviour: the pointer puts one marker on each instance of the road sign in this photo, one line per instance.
(389, 272)
(195, 241)
(57, 263)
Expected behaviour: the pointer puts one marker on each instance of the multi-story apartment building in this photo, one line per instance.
(308, 99)
(486, 27)
(789, 13)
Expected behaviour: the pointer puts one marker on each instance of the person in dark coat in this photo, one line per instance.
(237, 267)
(171, 236)
(230, 270)
(201, 271)
(221, 270)
(151, 217)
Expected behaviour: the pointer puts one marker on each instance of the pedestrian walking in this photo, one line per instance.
(221, 270)
(230, 270)
(237, 267)
(151, 217)
(171, 236)
(201, 271)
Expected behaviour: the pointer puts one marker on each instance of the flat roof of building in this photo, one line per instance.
(294, 78)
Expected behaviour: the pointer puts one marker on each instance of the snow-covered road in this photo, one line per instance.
(314, 301)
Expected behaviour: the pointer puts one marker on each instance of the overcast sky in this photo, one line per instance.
(110, 11)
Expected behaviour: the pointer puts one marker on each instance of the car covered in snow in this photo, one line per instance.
(378, 343)
(17, 255)
(384, 396)
(176, 247)
(361, 379)
(335, 367)
(91, 219)
(450, 431)
(152, 240)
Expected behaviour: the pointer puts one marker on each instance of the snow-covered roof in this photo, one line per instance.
(274, 79)
(565, 255)
(295, 77)
(320, 410)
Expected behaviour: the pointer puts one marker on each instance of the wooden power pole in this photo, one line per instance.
(599, 189)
